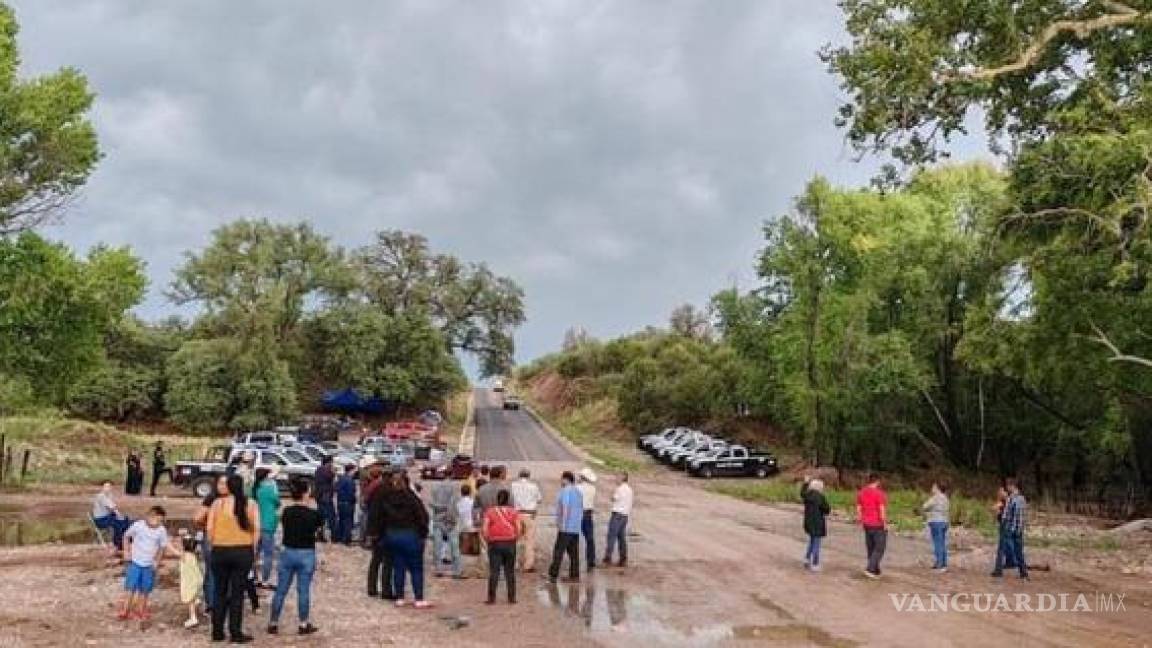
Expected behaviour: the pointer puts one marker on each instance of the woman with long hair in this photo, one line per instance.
(267, 497)
(234, 530)
(298, 561)
(405, 527)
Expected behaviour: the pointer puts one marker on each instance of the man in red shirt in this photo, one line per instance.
(872, 511)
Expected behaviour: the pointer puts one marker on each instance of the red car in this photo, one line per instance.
(459, 468)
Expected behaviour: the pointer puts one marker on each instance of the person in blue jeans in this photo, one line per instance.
(267, 496)
(324, 492)
(301, 522)
(1012, 531)
(404, 522)
(345, 505)
(936, 510)
(816, 512)
(106, 515)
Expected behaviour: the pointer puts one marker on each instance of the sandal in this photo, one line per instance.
(422, 605)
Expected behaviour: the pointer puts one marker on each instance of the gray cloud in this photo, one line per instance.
(615, 158)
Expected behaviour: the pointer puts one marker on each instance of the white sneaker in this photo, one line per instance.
(191, 623)
(869, 574)
(814, 568)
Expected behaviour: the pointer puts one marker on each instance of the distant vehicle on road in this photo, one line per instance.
(512, 402)
(734, 461)
(498, 385)
(459, 468)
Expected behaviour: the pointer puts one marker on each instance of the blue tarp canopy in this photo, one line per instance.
(351, 401)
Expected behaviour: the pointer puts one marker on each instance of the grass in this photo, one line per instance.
(585, 426)
(903, 505)
(68, 451)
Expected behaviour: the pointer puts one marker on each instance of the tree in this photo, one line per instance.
(400, 358)
(687, 321)
(259, 275)
(475, 310)
(226, 383)
(915, 69)
(48, 147)
(56, 309)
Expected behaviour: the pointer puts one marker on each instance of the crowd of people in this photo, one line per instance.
(243, 535)
(872, 516)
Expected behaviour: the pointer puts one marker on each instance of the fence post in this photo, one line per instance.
(8, 462)
(24, 464)
(3, 444)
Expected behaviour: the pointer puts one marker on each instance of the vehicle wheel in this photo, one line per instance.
(203, 486)
(706, 473)
(761, 472)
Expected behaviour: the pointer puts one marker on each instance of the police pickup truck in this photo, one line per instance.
(200, 476)
(733, 461)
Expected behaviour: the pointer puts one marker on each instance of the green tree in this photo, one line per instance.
(48, 147)
(475, 310)
(55, 310)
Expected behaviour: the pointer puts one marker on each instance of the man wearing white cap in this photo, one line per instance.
(587, 488)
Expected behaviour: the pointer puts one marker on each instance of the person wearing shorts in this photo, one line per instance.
(144, 543)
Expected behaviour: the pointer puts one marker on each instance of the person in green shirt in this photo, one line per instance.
(267, 497)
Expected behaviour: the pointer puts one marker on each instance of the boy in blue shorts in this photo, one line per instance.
(144, 544)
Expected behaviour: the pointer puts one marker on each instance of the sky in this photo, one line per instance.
(616, 159)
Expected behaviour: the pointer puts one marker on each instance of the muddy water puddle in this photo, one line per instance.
(18, 528)
(606, 610)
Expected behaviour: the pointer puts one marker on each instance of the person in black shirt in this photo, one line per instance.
(301, 521)
(400, 519)
(324, 491)
(159, 467)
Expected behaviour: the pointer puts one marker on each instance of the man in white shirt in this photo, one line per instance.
(526, 498)
(618, 523)
(587, 488)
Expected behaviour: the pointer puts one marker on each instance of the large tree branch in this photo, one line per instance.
(1117, 355)
(1119, 15)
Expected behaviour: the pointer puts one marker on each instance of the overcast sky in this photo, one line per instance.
(615, 158)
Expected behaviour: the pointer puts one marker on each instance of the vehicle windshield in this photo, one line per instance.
(296, 456)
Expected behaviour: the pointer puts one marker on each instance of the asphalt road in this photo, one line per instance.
(512, 435)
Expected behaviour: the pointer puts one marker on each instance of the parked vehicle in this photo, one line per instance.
(384, 450)
(200, 476)
(512, 402)
(681, 459)
(460, 467)
(648, 440)
(680, 435)
(734, 461)
(264, 438)
(688, 440)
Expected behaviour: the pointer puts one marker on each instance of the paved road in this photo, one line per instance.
(512, 435)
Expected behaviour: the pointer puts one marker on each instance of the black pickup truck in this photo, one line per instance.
(733, 461)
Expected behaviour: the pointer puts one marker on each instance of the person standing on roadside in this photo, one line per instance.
(442, 500)
(380, 565)
(345, 505)
(587, 488)
(569, 514)
(501, 529)
(1012, 531)
(325, 490)
(526, 498)
(201, 522)
(465, 523)
(134, 479)
(159, 467)
(1001, 501)
(816, 512)
(298, 561)
(486, 498)
(618, 523)
(233, 527)
(936, 511)
(405, 527)
(872, 512)
(267, 496)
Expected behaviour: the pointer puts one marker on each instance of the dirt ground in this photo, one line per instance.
(704, 570)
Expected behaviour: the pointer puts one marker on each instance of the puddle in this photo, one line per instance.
(20, 530)
(607, 610)
(791, 634)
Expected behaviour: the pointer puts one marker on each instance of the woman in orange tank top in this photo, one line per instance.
(234, 530)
